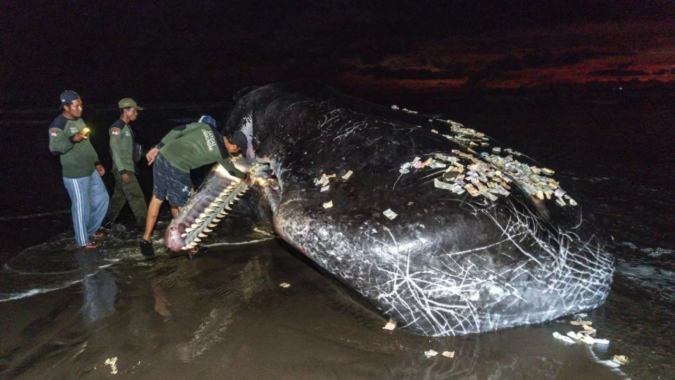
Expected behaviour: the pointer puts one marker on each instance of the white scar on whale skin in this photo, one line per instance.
(465, 316)
(247, 128)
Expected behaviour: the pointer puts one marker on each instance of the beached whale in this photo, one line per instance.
(438, 227)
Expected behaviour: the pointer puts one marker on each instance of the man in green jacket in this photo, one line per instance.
(82, 171)
(184, 148)
(122, 150)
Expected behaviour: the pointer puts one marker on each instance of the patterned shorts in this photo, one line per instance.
(171, 183)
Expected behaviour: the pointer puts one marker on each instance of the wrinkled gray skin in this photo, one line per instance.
(448, 264)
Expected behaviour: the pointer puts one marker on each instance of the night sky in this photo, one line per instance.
(206, 50)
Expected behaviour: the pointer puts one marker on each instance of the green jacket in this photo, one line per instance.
(193, 145)
(78, 159)
(122, 146)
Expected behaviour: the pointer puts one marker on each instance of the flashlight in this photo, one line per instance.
(85, 131)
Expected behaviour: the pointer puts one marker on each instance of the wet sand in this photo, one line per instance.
(225, 316)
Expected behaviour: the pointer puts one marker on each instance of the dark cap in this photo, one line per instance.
(68, 96)
(208, 120)
(239, 139)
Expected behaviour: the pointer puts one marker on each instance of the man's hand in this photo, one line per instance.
(125, 178)
(151, 155)
(79, 136)
(100, 169)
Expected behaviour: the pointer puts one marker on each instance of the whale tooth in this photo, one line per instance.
(228, 208)
(222, 214)
(199, 220)
(208, 229)
(236, 198)
(202, 216)
(197, 239)
(194, 225)
(183, 235)
(208, 210)
(189, 229)
(203, 235)
(218, 200)
(212, 225)
(215, 220)
(185, 248)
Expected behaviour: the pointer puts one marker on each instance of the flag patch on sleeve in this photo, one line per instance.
(53, 133)
(115, 131)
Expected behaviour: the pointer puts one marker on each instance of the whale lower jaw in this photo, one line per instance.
(212, 202)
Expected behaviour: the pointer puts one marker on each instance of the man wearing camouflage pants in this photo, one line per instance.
(122, 151)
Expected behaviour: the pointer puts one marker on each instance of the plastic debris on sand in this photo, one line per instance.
(390, 214)
(430, 353)
(391, 325)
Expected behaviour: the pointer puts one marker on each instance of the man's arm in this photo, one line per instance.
(174, 134)
(59, 142)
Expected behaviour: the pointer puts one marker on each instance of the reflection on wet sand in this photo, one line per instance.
(99, 286)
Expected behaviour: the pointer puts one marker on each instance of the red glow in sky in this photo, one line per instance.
(564, 55)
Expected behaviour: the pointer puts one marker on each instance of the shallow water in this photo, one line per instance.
(113, 313)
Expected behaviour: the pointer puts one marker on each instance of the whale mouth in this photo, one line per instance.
(207, 207)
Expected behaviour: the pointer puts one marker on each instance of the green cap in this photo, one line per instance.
(128, 103)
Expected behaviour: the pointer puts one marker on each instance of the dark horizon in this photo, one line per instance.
(207, 50)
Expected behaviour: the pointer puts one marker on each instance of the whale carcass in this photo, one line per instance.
(431, 222)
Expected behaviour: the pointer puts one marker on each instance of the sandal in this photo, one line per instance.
(146, 248)
(92, 246)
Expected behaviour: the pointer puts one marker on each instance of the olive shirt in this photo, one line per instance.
(78, 159)
(122, 146)
(193, 145)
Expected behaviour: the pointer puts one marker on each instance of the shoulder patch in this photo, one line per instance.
(116, 131)
(53, 133)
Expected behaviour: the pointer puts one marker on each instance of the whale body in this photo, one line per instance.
(434, 224)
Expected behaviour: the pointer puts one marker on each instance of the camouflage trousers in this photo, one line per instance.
(127, 192)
